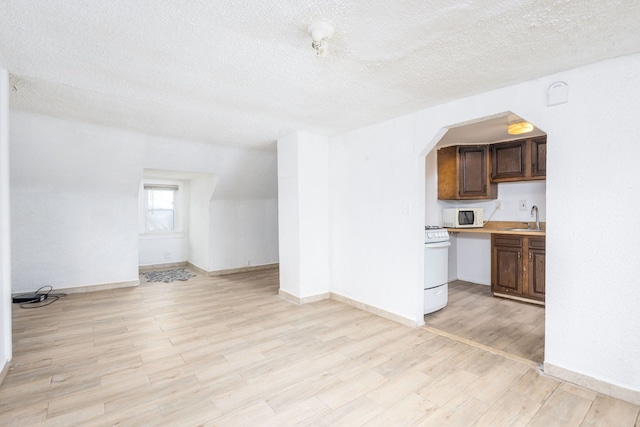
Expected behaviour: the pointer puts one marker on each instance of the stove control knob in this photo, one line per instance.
(430, 235)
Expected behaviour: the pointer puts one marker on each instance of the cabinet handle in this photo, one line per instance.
(519, 255)
(530, 256)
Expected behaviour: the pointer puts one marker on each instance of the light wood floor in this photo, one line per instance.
(473, 313)
(228, 351)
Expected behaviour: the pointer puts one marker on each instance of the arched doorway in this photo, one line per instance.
(473, 313)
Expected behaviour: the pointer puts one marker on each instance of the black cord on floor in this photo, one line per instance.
(48, 299)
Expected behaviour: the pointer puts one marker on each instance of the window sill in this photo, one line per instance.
(154, 236)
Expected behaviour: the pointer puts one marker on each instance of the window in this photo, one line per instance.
(160, 203)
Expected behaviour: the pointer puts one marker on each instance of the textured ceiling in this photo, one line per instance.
(244, 73)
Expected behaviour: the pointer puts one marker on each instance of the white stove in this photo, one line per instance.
(435, 234)
(436, 268)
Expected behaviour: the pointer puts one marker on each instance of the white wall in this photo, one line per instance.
(593, 273)
(377, 217)
(74, 199)
(243, 233)
(199, 237)
(303, 214)
(74, 196)
(473, 256)
(510, 194)
(5, 241)
(377, 212)
(158, 250)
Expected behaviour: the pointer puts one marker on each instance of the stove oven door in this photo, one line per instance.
(436, 264)
(436, 268)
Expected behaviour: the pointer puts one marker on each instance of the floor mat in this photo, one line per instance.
(168, 275)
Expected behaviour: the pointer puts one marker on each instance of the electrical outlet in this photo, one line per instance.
(167, 254)
(498, 205)
(523, 205)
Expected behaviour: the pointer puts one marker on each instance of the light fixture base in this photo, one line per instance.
(519, 127)
(320, 32)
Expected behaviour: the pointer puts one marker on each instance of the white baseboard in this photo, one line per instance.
(235, 270)
(353, 303)
(144, 268)
(374, 310)
(100, 287)
(477, 281)
(628, 395)
(198, 269)
(5, 369)
(305, 300)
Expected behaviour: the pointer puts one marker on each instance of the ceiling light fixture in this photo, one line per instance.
(320, 32)
(519, 127)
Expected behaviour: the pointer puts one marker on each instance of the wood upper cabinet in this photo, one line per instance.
(539, 157)
(521, 160)
(508, 161)
(463, 173)
(518, 266)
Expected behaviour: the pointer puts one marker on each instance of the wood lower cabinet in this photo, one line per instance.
(463, 173)
(518, 267)
(536, 263)
(506, 264)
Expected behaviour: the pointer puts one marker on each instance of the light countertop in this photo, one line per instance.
(503, 227)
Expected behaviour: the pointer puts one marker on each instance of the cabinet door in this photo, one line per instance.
(506, 265)
(448, 173)
(463, 173)
(473, 172)
(508, 161)
(539, 157)
(536, 268)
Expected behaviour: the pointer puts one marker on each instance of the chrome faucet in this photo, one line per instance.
(535, 208)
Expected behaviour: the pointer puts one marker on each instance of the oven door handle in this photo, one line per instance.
(437, 245)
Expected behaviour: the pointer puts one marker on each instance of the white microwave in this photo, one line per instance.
(462, 217)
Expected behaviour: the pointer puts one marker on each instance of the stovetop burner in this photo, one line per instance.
(432, 227)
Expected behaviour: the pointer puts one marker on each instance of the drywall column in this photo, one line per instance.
(201, 189)
(303, 216)
(591, 312)
(5, 245)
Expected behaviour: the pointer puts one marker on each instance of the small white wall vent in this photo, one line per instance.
(558, 93)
